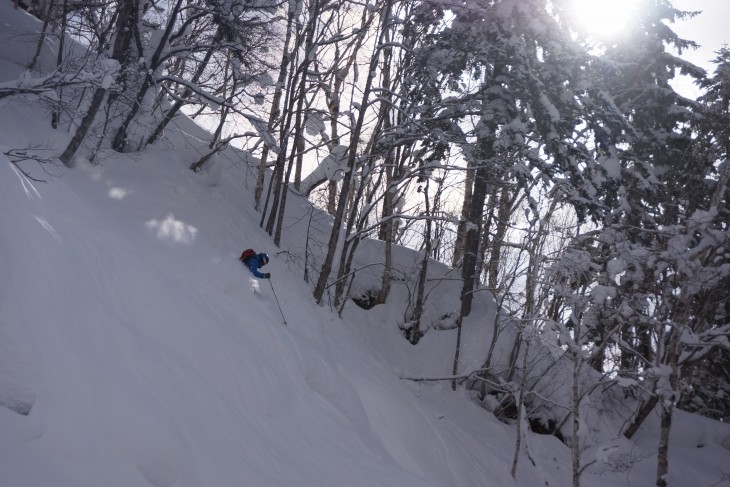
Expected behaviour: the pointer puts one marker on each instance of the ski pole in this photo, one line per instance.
(277, 301)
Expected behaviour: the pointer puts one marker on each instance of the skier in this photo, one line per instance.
(255, 261)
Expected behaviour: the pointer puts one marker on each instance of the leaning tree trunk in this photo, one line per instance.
(80, 135)
(186, 92)
(121, 51)
(643, 413)
(42, 38)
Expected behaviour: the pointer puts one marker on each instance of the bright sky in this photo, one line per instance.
(603, 18)
(709, 29)
(606, 18)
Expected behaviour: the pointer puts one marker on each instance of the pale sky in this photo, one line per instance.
(608, 19)
(710, 29)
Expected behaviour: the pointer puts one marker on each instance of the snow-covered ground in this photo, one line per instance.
(136, 350)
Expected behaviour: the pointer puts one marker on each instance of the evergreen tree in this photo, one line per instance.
(503, 84)
(656, 266)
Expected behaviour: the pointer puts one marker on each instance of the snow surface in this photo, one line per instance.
(135, 349)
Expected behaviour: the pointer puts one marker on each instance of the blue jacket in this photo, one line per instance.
(254, 264)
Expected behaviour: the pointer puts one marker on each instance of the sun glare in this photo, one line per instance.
(603, 19)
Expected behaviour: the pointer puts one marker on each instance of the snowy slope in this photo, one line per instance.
(146, 355)
(135, 350)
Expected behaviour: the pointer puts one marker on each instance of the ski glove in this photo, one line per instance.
(267, 276)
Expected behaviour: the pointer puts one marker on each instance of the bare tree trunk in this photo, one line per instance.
(299, 144)
(667, 405)
(277, 208)
(471, 247)
(294, 159)
(219, 129)
(352, 158)
(486, 240)
(415, 330)
(225, 109)
(42, 38)
(333, 105)
(352, 240)
(457, 352)
(276, 101)
(643, 413)
(386, 231)
(186, 92)
(663, 453)
(575, 412)
(533, 246)
(574, 350)
(84, 127)
(56, 113)
(122, 44)
(120, 139)
(521, 430)
(461, 229)
(473, 236)
(350, 247)
(284, 192)
(277, 178)
(495, 254)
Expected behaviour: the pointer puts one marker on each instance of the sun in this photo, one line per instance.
(603, 19)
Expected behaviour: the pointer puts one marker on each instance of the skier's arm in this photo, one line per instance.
(254, 268)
